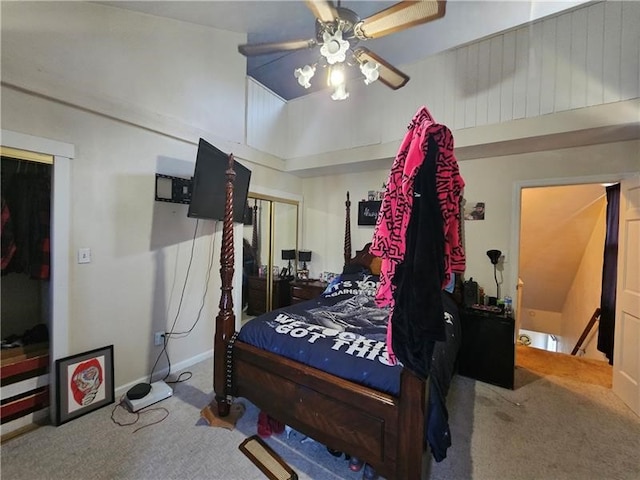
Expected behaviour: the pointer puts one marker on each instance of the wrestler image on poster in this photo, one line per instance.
(86, 383)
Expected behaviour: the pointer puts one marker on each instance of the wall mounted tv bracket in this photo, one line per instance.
(173, 189)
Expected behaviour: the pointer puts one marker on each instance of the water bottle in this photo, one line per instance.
(508, 307)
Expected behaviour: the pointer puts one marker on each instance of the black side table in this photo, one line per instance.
(487, 350)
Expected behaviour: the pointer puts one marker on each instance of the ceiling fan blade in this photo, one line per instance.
(399, 17)
(254, 49)
(389, 75)
(323, 10)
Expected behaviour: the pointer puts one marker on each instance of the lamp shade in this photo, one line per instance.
(304, 255)
(288, 254)
(494, 256)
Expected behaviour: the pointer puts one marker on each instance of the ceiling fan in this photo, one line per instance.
(338, 30)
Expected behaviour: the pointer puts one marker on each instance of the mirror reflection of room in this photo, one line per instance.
(269, 240)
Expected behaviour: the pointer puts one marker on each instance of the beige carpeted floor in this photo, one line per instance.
(550, 427)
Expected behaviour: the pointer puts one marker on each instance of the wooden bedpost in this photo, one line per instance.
(347, 231)
(254, 239)
(226, 320)
(411, 422)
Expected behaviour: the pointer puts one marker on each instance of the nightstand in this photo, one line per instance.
(303, 290)
(257, 293)
(487, 349)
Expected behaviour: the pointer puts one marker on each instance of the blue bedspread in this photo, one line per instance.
(342, 332)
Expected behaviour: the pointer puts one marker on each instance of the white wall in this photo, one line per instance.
(324, 216)
(113, 84)
(492, 180)
(584, 295)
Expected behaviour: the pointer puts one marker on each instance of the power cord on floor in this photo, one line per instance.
(121, 405)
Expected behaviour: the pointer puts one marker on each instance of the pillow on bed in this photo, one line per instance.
(356, 279)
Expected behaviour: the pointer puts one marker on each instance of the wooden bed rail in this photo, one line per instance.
(226, 320)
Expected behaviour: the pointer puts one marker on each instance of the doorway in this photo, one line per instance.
(560, 242)
(58, 291)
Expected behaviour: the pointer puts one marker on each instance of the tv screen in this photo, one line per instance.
(209, 185)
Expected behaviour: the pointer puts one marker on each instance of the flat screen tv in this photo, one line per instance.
(209, 184)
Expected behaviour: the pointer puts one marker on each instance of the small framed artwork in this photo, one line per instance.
(84, 383)
(474, 211)
(368, 212)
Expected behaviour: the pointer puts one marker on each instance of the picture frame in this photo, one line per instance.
(84, 383)
(474, 210)
(368, 212)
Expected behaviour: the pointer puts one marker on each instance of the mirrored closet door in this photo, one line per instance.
(270, 243)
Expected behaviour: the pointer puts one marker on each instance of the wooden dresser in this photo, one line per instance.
(257, 294)
(303, 290)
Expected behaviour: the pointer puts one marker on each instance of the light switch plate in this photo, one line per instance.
(84, 255)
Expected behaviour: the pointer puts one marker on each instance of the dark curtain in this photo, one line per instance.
(609, 274)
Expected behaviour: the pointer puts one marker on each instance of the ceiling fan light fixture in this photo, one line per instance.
(304, 75)
(336, 76)
(334, 48)
(370, 71)
(340, 92)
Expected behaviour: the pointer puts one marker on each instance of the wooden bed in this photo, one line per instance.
(386, 431)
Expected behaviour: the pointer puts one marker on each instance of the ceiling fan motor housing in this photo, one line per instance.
(345, 20)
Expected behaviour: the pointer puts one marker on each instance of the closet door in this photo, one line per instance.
(273, 229)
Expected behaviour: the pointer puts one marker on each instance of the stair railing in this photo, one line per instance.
(594, 318)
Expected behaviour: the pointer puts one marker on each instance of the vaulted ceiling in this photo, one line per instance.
(273, 21)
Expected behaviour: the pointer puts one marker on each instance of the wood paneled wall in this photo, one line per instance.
(585, 57)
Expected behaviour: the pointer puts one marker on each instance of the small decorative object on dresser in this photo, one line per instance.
(303, 290)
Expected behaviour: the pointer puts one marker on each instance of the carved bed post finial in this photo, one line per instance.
(225, 321)
(254, 239)
(347, 231)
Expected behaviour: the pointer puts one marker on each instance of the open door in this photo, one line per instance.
(626, 350)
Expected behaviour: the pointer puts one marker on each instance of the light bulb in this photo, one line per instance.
(336, 77)
(340, 93)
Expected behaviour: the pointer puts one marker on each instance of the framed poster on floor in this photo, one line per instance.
(84, 383)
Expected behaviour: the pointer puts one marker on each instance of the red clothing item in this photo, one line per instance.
(389, 239)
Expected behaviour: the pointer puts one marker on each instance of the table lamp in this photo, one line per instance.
(288, 255)
(304, 256)
(494, 256)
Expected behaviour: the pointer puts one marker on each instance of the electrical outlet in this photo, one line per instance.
(158, 338)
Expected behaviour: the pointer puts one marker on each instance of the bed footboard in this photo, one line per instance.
(386, 431)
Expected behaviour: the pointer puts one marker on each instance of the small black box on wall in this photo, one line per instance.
(368, 212)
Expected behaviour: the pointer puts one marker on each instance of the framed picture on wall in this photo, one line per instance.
(368, 212)
(474, 211)
(84, 383)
